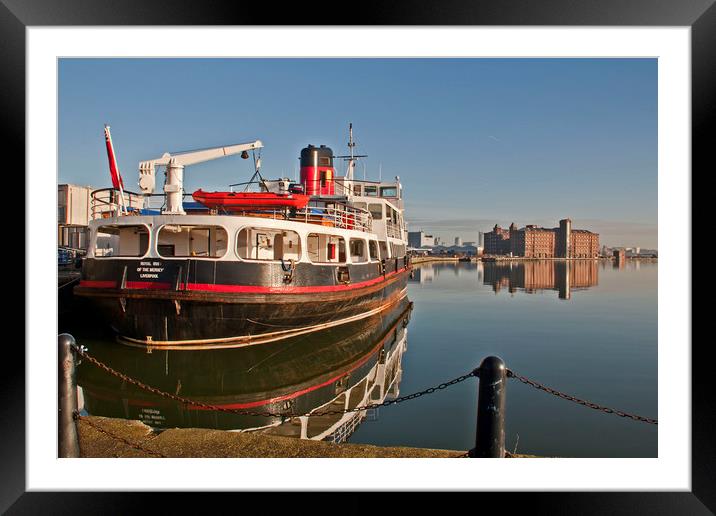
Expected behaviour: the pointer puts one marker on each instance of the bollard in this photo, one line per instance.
(490, 434)
(69, 445)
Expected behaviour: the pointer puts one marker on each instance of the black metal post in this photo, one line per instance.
(490, 434)
(69, 444)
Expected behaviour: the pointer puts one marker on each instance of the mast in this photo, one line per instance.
(351, 159)
(351, 145)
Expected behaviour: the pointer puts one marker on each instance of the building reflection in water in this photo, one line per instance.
(424, 273)
(348, 366)
(533, 276)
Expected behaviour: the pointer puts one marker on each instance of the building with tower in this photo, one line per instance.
(536, 242)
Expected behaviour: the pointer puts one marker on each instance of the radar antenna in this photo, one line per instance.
(351, 159)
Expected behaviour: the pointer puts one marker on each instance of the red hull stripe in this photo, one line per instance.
(248, 289)
(277, 290)
(296, 394)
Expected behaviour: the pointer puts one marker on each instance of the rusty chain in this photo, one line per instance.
(118, 437)
(595, 406)
(82, 352)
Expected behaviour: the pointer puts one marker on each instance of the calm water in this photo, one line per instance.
(596, 339)
(586, 328)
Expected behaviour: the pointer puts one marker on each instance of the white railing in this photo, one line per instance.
(393, 229)
(108, 202)
(346, 429)
(339, 215)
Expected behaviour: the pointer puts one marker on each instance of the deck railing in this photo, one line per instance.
(337, 215)
(106, 203)
(393, 229)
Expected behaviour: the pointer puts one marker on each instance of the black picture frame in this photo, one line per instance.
(700, 15)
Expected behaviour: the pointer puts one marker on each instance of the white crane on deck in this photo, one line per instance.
(174, 182)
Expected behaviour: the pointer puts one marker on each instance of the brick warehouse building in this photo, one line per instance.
(497, 241)
(535, 242)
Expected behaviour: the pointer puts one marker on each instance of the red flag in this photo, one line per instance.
(113, 169)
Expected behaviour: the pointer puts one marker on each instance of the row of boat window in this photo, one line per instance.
(376, 211)
(253, 243)
(372, 190)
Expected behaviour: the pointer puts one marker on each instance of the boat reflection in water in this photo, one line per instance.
(533, 276)
(347, 366)
(425, 273)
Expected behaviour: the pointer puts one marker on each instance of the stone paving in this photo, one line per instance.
(199, 442)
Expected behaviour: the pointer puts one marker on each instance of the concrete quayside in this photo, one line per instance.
(112, 437)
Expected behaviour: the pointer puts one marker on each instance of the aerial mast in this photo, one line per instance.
(351, 144)
(352, 158)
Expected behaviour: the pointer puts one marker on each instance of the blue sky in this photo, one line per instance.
(474, 141)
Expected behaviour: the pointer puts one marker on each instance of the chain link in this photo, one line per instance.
(119, 438)
(83, 353)
(586, 403)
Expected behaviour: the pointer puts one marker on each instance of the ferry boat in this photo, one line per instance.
(215, 273)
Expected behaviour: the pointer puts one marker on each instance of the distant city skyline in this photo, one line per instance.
(619, 234)
(474, 141)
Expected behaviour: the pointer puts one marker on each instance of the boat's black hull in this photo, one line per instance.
(189, 305)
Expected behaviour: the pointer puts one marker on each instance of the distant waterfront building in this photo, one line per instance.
(418, 239)
(73, 215)
(634, 251)
(480, 239)
(458, 241)
(536, 242)
(497, 241)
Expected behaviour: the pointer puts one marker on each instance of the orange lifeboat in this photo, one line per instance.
(246, 201)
